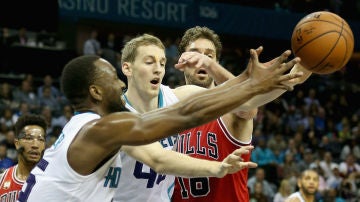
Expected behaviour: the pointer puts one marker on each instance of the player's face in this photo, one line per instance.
(112, 87)
(309, 183)
(199, 76)
(31, 143)
(148, 70)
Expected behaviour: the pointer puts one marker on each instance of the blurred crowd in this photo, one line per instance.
(315, 126)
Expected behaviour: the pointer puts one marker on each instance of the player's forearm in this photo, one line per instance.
(181, 165)
(262, 99)
(219, 73)
(171, 162)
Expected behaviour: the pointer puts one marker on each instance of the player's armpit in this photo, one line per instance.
(247, 115)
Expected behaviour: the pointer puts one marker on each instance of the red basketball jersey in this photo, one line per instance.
(10, 185)
(210, 141)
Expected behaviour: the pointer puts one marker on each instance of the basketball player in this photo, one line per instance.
(308, 184)
(230, 131)
(30, 132)
(84, 163)
(139, 182)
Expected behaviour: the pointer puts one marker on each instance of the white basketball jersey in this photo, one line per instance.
(138, 181)
(297, 195)
(53, 179)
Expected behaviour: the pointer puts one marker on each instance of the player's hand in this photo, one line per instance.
(234, 163)
(249, 65)
(193, 59)
(299, 68)
(273, 76)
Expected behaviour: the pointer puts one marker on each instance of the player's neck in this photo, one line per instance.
(307, 198)
(23, 169)
(141, 102)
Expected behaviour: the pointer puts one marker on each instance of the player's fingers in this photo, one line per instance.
(287, 77)
(194, 59)
(233, 158)
(199, 63)
(242, 165)
(185, 57)
(254, 59)
(283, 57)
(243, 150)
(284, 87)
(284, 67)
(259, 50)
(180, 66)
(292, 62)
(271, 62)
(250, 164)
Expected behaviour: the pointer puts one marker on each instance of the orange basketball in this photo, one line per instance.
(323, 41)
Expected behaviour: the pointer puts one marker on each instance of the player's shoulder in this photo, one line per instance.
(5, 172)
(293, 198)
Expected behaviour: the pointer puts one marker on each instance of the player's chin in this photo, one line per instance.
(33, 159)
(312, 190)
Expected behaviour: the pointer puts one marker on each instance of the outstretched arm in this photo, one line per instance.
(213, 68)
(103, 137)
(262, 99)
(171, 162)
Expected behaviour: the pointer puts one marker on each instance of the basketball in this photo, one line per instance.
(324, 42)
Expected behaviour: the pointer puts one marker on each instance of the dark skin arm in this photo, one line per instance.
(100, 139)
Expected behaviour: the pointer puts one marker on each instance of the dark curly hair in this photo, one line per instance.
(77, 76)
(29, 119)
(197, 32)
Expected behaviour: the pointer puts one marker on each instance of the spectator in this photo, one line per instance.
(311, 98)
(6, 97)
(258, 195)
(92, 45)
(277, 142)
(334, 181)
(11, 151)
(327, 165)
(48, 100)
(5, 162)
(7, 119)
(267, 187)
(349, 166)
(284, 191)
(111, 53)
(65, 116)
(332, 195)
(49, 118)
(49, 82)
(262, 155)
(25, 94)
(23, 109)
(289, 168)
(306, 161)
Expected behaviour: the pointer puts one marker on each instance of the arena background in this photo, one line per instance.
(57, 31)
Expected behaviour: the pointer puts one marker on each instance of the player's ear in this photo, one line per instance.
(17, 143)
(298, 182)
(126, 68)
(95, 92)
